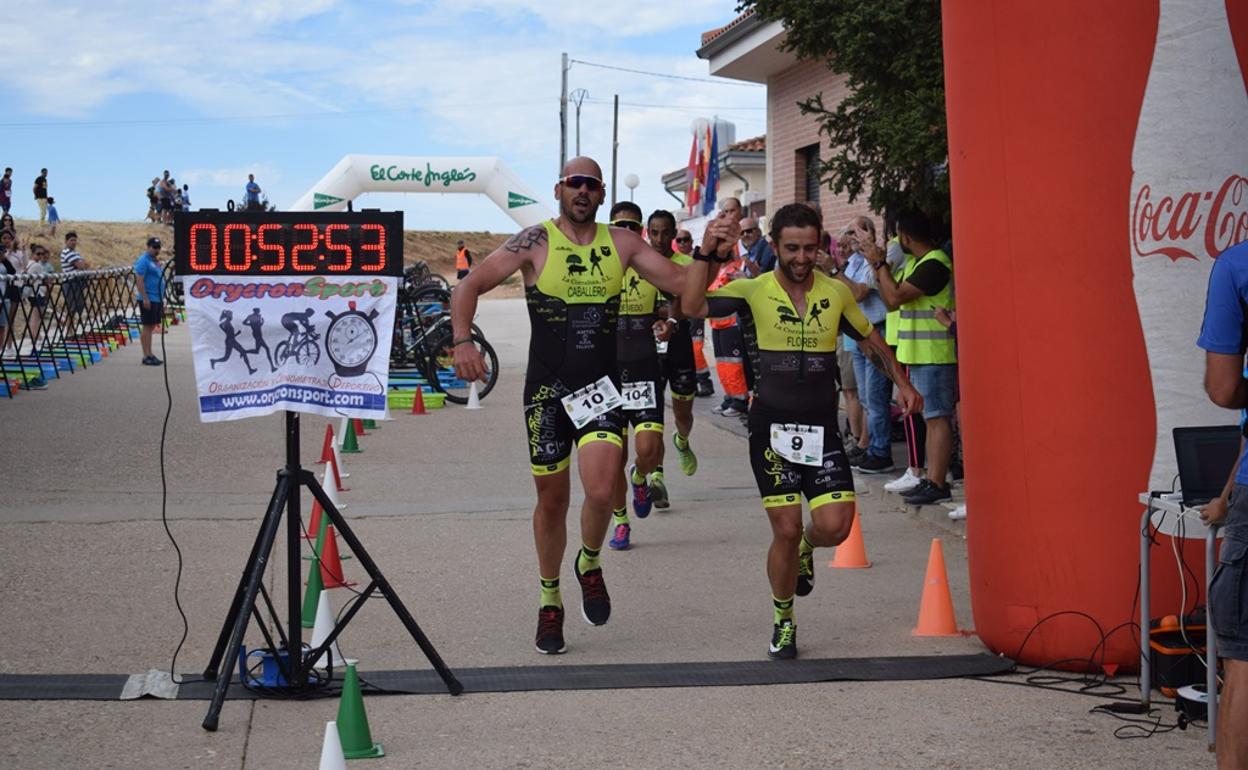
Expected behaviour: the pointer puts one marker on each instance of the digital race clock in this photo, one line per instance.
(272, 243)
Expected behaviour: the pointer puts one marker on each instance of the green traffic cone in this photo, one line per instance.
(370, 424)
(350, 444)
(357, 740)
(315, 586)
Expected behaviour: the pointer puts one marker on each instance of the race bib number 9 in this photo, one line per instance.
(638, 395)
(590, 401)
(801, 444)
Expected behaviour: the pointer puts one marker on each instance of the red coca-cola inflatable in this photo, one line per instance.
(1099, 161)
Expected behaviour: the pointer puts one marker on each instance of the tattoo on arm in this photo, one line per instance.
(526, 239)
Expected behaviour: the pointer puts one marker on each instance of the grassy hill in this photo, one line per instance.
(120, 243)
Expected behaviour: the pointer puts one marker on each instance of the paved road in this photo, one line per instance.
(443, 504)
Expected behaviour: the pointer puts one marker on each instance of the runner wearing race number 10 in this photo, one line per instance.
(573, 270)
(792, 316)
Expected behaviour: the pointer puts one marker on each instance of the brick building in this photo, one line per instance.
(748, 49)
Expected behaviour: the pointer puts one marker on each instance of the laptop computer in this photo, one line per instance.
(1205, 456)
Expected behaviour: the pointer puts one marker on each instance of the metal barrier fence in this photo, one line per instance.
(61, 322)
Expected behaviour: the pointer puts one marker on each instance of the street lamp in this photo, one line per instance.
(631, 181)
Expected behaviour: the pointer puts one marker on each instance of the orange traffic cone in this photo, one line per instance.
(418, 401)
(359, 426)
(314, 523)
(327, 449)
(852, 554)
(936, 608)
(331, 565)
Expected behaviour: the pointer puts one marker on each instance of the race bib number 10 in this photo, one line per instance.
(590, 401)
(801, 444)
(638, 395)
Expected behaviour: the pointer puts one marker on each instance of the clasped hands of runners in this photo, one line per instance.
(721, 236)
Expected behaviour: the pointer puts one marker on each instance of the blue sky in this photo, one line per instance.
(107, 94)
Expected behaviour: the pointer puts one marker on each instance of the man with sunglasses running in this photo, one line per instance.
(571, 391)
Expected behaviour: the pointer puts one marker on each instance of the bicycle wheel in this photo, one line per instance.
(437, 280)
(430, 293)
(442, 369)
(280, 353)
(308, 351)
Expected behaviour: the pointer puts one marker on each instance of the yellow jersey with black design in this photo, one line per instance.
(794, 356)
(638, 312)
(573, 310)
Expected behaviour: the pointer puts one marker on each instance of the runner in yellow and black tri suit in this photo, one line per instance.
(573, 270)
(790, 318)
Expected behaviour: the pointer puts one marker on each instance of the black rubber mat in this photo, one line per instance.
(528, 678)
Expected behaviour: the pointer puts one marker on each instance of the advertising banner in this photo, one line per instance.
(318, 344)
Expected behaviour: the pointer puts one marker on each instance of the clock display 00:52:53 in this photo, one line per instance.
(304, 247)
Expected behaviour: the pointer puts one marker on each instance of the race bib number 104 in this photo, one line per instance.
(801, 444)
(590, 401)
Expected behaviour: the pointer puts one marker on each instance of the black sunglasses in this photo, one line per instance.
(685, 240)
(591, 183)
(631, 224)
(749, 230)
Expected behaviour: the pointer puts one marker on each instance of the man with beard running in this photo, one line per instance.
(573, 270)
(791, 318)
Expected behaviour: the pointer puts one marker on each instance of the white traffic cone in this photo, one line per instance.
(331, 750)
(331, 488)
(321, 631)
(474, 399)
(342, 472)
(340, 435)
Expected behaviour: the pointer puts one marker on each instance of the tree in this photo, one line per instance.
(889, 134)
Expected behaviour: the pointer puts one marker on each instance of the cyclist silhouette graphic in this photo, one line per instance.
(255, 322)
(301, 344)
(231, 342)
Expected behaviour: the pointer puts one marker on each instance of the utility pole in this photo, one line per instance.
(615, 145)
(563, 114)
(578, 97)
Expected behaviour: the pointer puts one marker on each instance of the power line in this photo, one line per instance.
(716, 81)
(677, 107)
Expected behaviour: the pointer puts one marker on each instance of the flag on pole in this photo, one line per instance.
(712, 172)
(691, 177)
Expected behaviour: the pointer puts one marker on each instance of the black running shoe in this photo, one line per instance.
(872, 464)
(921, 489)
(929, 494)
(805, 573)
(783, 641)
(595, 602)
(855, 455)
(550, 631)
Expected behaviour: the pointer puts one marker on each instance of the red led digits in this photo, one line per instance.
(378, 249)
(198, 264)
(343, 262)
(304, 227)
(230, 235)
(279, 263)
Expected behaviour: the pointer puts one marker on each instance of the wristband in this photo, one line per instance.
(464, 341)
(699, 256)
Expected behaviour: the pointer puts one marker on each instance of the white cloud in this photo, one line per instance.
(234, 176)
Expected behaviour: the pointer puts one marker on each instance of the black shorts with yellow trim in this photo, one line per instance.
(551, 433)
(678, 367)
(782, 482)
(647, 370)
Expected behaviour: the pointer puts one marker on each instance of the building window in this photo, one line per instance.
(808, 173)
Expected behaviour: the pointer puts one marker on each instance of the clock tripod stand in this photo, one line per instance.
(294, 664)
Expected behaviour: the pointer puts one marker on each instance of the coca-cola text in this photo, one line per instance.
(1170, 226)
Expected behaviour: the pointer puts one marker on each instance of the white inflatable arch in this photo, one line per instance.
(358, 174)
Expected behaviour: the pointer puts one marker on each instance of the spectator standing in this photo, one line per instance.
(153, 201)
(36, 291)
(923, 344)
(463, 261)
(875, 389)
(54, 218)
(186, 197)
(251, 194)
(41, 194)
(74, 288)
(731, 362)
(14, 262)
(856, 440)
(6, 190)
(756, 246)
(150, 288)
(697, 329)
(1222, 336)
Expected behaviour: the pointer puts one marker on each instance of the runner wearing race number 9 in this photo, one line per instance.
(791, 318)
